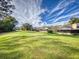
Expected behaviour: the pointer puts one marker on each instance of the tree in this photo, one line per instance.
(7, 24)
(6, 8)
(27, 26)
(74, 20)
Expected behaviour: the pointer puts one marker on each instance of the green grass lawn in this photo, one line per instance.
(38, 45)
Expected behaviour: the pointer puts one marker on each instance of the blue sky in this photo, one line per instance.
(45, 12)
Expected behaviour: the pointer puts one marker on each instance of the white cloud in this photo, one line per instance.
(57, 14)
(61, 5)
(28, 11)
(69, 15)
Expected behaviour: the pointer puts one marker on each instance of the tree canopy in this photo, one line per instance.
(27, 26)
(74, 20)
(6, 7)
(7, 24)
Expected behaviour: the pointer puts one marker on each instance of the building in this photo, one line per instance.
(75, 26)
(68, 29)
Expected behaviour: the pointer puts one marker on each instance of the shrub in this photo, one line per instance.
(50, 31)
